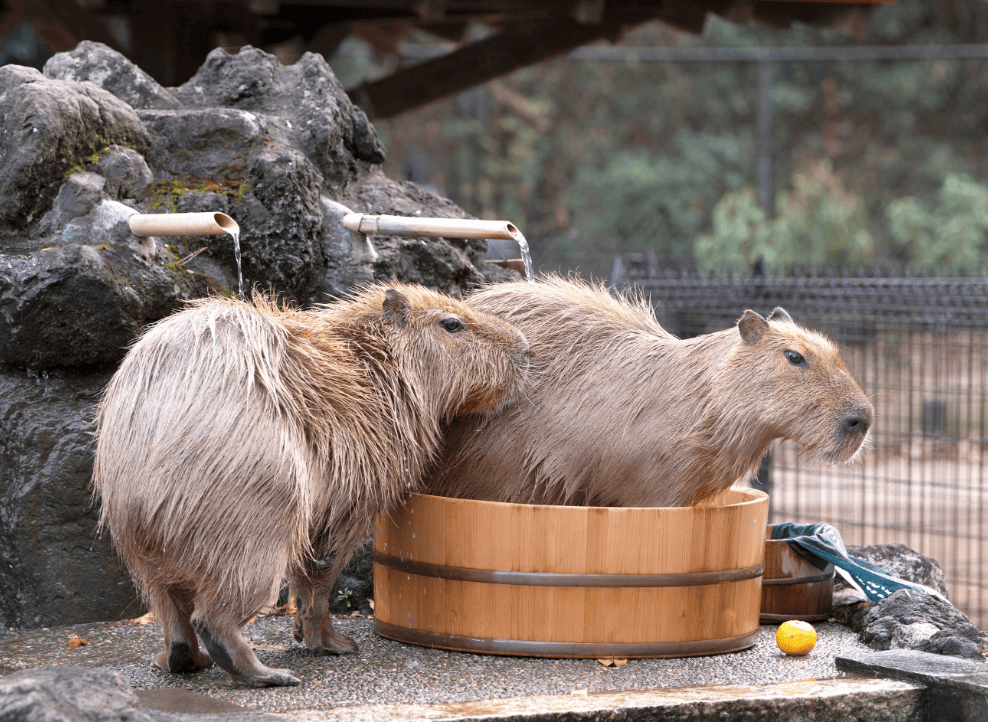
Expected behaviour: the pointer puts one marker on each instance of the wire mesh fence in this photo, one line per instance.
(918, 346)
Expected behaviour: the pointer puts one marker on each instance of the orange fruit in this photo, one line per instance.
(796, 638)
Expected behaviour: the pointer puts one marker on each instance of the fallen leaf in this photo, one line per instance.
(579, 692)
(269, 648)
(76, 641)
(611, 662)
(371, 603)
(146, 619)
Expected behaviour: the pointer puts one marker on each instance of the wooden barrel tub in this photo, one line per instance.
(565, 581)
(793, 587)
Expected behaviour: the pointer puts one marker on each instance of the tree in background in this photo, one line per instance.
(950, 232)
(596, 158)
(819, 225)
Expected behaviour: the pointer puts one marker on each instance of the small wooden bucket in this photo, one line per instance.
(793, 587)
(566, 581)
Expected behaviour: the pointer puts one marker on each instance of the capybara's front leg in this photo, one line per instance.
(231, 652)
(312, 623)
(182, 654)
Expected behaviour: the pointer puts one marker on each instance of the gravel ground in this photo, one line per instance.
(386, 672)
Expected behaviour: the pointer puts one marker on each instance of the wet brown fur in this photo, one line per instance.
(622, 413)
(240, 444)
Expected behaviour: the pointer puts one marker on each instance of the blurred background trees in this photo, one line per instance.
(875, 162)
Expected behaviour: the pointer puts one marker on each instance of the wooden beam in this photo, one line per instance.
(485, 60)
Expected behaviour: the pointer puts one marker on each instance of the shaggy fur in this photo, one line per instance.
(240, 444)
(622, 413)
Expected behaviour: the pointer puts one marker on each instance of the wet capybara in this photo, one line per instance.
(241, 444)
(622, 413)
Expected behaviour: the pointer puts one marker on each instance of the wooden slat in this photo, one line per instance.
(485, 60)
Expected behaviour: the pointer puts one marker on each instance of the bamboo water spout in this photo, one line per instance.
(439, 228)
(191, 224)
(183, 224)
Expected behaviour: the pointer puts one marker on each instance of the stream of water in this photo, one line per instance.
(526, 257)
(240, 273)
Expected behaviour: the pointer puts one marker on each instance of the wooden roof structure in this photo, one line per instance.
(170, 38)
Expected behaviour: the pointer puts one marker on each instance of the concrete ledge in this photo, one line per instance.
(832, 700)
(957, 689)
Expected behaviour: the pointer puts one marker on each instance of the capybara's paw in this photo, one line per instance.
(267, 677)
(297, 629)
(332, 642)
(181, 659)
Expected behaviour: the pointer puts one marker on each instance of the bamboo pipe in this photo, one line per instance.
(182, 224)
(430, 227)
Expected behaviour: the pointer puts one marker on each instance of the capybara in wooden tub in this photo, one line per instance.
(240, 444)
(622, 413)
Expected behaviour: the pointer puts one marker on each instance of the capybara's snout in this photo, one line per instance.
(853, 428)
(858, 422)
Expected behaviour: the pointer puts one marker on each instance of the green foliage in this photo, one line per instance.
(657, 202)
(819, 225)
(950, 233)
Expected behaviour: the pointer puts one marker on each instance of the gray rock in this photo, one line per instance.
(902, 562)
(896, 619)
(54, 568)
(127, 173)
(305, 102)
(907, 636)
(78, 305)
(75, 198)
(105, 67)
(349, 256)
(68, 694)
(46, 128)
(273, 191)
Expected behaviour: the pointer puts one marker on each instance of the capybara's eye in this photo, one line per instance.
(795, 358)
(452, 324)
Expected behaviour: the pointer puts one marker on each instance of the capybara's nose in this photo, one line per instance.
(855, 424)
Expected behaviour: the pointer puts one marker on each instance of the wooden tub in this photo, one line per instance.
(563, 581)
(793, 587)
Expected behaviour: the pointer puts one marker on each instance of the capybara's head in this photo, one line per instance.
(467, 360)
(799, 387)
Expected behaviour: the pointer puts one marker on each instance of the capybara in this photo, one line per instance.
(242, 444)
(622, 413)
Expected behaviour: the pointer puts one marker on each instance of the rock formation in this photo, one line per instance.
(93, 140)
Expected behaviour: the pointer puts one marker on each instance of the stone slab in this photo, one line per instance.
(809, 701)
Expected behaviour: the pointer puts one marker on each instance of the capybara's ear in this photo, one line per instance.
(397, 309)
(779, 314)
(751, 326)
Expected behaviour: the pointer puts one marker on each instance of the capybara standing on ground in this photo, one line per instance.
(622, 413)
(242, 444)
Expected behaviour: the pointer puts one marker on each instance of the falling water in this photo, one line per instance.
(236, 253)
(526, 256)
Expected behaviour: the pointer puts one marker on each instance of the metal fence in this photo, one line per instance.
(918, 346)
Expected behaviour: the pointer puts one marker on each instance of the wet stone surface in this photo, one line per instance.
(389, 673)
